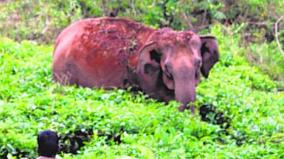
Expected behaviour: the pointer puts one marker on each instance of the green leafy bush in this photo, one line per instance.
(95, 123)
(270, 59)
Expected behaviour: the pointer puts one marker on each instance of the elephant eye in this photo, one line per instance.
(154, 55)
(149, 69)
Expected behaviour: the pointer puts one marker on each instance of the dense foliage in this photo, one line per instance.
(244, 112)
(47, 17)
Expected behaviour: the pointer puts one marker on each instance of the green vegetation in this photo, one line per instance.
(271, 61)
(119, 123)
(48, 18)
(245, 107)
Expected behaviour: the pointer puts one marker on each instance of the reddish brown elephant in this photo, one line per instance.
(118, 53)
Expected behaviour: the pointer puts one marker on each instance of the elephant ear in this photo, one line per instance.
(210, 54)
(149, 67)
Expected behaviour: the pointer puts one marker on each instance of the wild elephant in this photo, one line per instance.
(118, 53)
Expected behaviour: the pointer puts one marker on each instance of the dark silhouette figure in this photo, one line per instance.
(47, 144)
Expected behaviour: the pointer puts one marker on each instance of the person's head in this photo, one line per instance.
(47, 143)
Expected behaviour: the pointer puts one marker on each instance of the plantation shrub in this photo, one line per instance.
(246, 122)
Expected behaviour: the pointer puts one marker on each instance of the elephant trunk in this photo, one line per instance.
(185, 90)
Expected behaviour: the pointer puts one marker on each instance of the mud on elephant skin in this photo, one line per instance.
(118, 53)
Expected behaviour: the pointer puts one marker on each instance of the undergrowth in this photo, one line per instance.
(244, 117)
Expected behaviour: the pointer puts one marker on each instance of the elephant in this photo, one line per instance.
(119, 53)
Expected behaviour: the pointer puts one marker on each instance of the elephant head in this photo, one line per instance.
(172, 61)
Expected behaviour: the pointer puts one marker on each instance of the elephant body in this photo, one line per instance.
(98, 52)
(117, 53)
